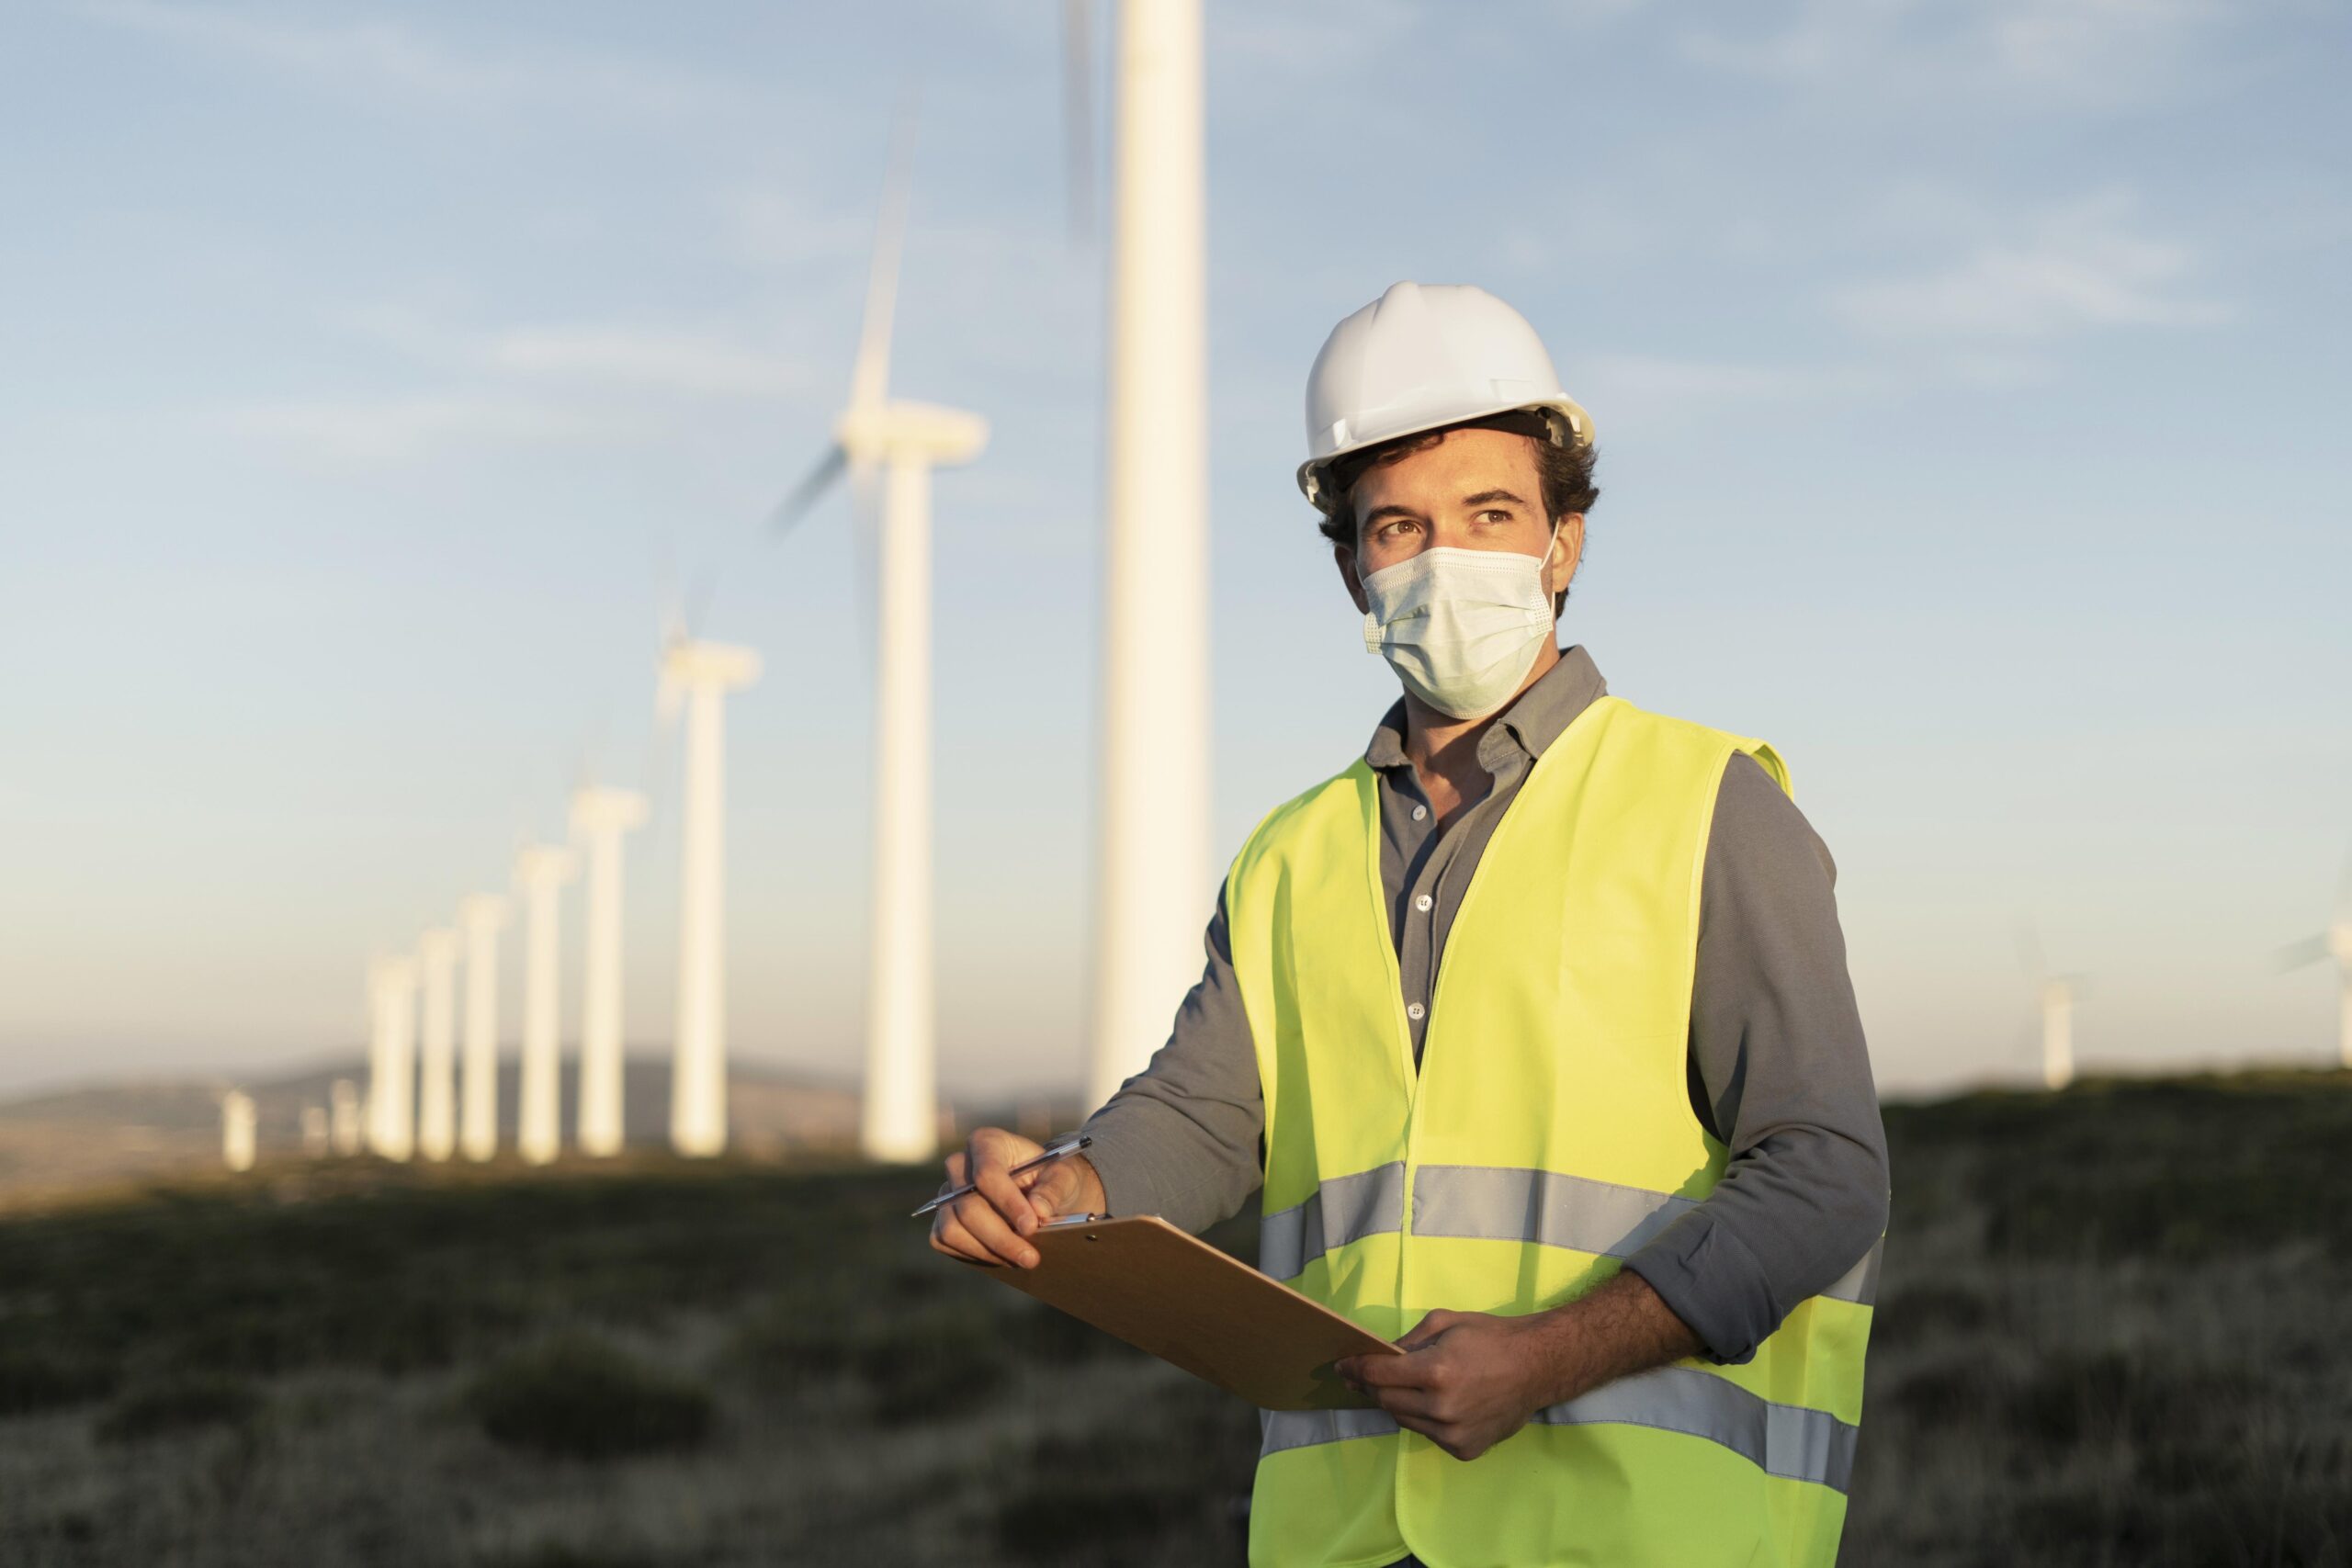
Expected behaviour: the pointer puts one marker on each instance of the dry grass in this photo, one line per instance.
(2111, 1333)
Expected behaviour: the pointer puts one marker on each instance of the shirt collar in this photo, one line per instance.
(1533, 721)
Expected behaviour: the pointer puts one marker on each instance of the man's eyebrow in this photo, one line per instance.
(1391, 510)
(1485, 496)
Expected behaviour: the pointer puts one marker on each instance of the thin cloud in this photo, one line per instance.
(659, 361)
(2073, 53)
(397, 430)
(386, 56)
(2077, 270)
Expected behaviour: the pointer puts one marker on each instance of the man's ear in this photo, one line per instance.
(1568, 550)
(1345, 560)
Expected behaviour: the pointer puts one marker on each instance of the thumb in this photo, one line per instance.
(1434, 1323)
(1056, 1187)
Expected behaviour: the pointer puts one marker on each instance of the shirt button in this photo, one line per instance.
(1423, 903)
(1416, 1012)
(1421, 813)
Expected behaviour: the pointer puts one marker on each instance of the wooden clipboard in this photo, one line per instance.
(1150, 1284)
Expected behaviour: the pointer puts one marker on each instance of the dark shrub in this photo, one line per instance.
(578, 1398)
(42, 1377)
(180, 1403)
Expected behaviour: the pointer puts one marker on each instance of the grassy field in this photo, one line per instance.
(2111, 1331)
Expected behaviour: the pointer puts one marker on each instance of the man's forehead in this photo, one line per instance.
(1478, 459)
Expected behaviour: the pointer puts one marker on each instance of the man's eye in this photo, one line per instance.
(1494, 513)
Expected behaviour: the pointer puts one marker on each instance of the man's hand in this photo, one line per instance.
(988, 1224)
(1467, 1379)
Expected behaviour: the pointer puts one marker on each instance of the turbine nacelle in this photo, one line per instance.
(600, 809)
(903, 432)
(544, 865)
(689, 665)
(481, 912)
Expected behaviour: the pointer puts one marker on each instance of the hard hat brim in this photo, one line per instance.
(1311, 472)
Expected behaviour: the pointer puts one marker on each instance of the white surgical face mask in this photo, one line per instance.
(1460, 627)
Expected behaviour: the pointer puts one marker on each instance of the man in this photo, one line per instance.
(1534, 1025)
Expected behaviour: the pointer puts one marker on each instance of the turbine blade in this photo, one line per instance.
(1078, 113)
(809, 491)
(2301, 954)
(870, 385)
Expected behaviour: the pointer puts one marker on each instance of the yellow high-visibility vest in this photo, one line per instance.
(1547, 1133)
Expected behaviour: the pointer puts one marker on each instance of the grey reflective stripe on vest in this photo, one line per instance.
(1491, 1203)
(1280, 1429)
(1343, 1209)
(1788, 1440)
(1506, 1204)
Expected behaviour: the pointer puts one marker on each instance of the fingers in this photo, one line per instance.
(970, 1227)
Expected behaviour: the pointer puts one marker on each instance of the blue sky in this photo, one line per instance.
(1965, 377)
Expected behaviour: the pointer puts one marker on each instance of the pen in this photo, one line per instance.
(1052, 1151)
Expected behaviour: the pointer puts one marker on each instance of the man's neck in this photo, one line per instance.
(1443, 749)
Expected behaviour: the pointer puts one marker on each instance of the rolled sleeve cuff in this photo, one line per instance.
(1710, 1279)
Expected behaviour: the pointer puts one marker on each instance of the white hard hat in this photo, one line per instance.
(1423, 356)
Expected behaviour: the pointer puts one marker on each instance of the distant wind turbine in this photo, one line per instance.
(698, 675)
(479, 918)
(314, 1131)
(540, 872)
(391, 1080)
(343, 1117)
(436, 1106)
(237, 1130)
(904, 442)
(2054, 997)
(2334, 943)
(599, 817)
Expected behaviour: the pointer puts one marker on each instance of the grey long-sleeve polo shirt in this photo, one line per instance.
(1778, 1067)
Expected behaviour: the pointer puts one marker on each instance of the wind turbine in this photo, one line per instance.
(904, 441)
(479, 918)
(2334, 943)
(343, 1116)
(540, 872)
(599, 817)
(2054, 997)
(700, 674)
(237, 1130)
(1152, 860)
(314, 1131)
(436, 1116)
(391, 1082)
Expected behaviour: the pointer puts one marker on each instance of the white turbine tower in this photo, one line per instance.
(480, 919)
(1153, 857)
(2054, 999)
(391, 1082)
(2336, 942)
(599, 817)
(343, 1116)
(436, 1106)
(540, 872)
(904, 441)
(237, 1130)
(699, 675)
(2057, 1032)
